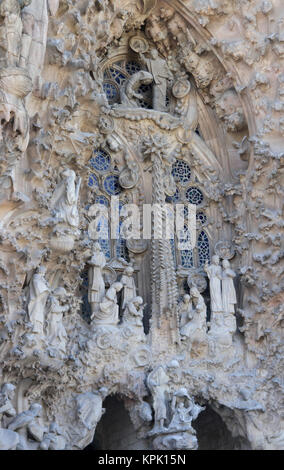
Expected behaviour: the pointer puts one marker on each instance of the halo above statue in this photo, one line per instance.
(181, 88)
(138, 44)
(198, 281)
(224, 249)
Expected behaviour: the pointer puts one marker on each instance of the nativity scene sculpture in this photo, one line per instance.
(127, 100)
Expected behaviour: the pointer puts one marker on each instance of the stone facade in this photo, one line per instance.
(153, 101)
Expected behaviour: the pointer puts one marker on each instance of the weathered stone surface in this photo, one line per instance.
(152, 101)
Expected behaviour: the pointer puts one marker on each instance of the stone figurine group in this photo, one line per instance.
(193, 312)
(104, 303)
(16, 428)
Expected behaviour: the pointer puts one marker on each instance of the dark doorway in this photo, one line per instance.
(213, 434)
(115, 431)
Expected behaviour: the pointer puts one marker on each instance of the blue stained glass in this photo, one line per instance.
(111, 92)
(100, 161)
(174, 198)
(186, 258)
(203, 248)
(194, 196)
(111, 185)
(201, 218)
(117, 75)
(105, 246)
(181, 171)
(132, 67)
(121, 249)
(101, 200)
(93, 181)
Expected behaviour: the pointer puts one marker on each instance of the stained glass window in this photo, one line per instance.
(181, 171)
(111, 185)
(100, 199)
(100, 161)
(132, 67)
(194, 196)
(93, 181)
(115, 76)
(186, 194)
(111, 91)
(203, 248)
(201, 218)
(175, 198)
(186, 258)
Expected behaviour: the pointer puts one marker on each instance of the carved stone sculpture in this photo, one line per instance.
(34, 37)
(56, 333)
(153, 102)
(161, 74)
(53, 439)
(96, 288)
(27, 419)
(129, 93)
(6, 407)
(229, 298)
(133, 313)
(214, 273)
(11, 11)
(195, 329)
(129, 287)
(65, 199)
(37, 293)
(184, 411)
(89, 410)
(157, 382)
(107, 314)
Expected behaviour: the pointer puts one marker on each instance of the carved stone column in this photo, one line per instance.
(164, 283)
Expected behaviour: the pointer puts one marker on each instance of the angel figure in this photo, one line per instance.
(109, 310)
(65, 198)
(38, 291)
(57, 336)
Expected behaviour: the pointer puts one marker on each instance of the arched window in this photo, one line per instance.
(189, 191)
(116, 74)
(103, 180)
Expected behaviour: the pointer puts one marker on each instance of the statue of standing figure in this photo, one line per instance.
(65, 199)
(157, 382)
(34, 37)
(38, 291)
(129, 288)
(223, 299)
(96, 289)
(185, 310)
(57, 336)
(214, 273)
(10, 10)
(229, 298)
(161, 73)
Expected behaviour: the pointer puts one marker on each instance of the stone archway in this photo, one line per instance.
(213, 434)
(115, 430)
